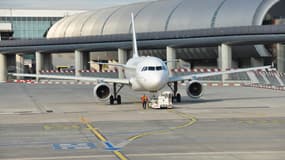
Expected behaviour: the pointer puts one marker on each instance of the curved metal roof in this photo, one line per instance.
(164, 15)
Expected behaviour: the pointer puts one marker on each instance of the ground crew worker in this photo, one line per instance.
(144, 100)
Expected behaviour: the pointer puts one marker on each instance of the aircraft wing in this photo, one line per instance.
(96, 79)
(202, 75)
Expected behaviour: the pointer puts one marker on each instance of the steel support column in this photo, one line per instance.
(122, 58)
(39, 63)
(78, 55)
(19, 64)
(281, 57)
(225, 59)
(3, 68)
(171, 59)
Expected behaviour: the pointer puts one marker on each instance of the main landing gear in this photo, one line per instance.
(174, 88)
(115, 97)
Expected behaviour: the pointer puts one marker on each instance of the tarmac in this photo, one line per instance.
(64, 122)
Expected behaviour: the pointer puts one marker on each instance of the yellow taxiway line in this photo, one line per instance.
(190, 121)
(102, 138)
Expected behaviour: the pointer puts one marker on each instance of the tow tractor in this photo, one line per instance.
(163, 101)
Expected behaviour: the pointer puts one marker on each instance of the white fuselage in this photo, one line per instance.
(146, 73)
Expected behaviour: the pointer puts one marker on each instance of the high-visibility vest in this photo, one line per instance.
(144, 98)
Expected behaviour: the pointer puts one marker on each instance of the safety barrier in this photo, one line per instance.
(269, 79)
(231, 77)
(81, 71)
(57, 71)
(220, 84)
(65, 82)
(197, 70)
(98, 71)
(266, 86)
(88, 73)
(62, 82)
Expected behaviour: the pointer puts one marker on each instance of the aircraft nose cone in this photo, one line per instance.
(155, 83)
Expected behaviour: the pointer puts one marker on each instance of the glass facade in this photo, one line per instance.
(29, 27)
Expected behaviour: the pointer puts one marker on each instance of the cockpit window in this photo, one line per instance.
(153, 68)
(159, 68)
(144, 69)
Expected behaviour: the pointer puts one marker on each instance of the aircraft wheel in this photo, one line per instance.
(112, 99)
(119, 99)
(178, 97)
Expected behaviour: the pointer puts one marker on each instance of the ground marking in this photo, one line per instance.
(74, 146)
(190, 121)
(159, 155)
(61, 127)
(104, 140)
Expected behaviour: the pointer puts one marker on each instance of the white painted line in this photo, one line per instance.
(157, 155)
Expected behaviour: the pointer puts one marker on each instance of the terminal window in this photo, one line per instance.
(29, 27)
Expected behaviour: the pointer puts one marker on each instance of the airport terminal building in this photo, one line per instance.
(18, 24)
(176, 15)
(31, 24)
(158, 17)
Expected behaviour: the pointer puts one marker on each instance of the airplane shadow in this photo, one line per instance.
(186, 100)
(196, 101)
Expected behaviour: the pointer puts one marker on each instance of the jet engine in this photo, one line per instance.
(194, 89)
(102, 91)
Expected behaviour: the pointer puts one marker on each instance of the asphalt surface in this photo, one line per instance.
(65, 122)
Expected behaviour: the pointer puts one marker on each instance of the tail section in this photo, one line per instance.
(135, 46)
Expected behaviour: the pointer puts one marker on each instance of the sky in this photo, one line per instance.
(63, 4)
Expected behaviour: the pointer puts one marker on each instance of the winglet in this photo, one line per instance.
(135, 47)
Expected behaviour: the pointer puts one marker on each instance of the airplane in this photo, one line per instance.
(143, 73)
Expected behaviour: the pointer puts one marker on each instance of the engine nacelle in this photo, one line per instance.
(102, 91)
(194, 89)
